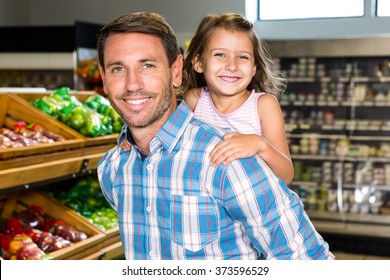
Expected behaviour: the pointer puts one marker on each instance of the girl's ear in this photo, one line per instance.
(197, 64)
(254, 71)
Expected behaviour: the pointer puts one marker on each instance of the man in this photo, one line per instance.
(171, 202)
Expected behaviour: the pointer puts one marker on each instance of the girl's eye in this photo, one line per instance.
(219, 55)
(243, 57)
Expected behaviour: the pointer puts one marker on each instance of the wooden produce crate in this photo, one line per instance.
(89, 155)
(19, 201)
(26, 175)
(110, 236)
(112, 251)
(82, 96)
(14, 108)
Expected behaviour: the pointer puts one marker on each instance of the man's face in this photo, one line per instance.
(138, 80)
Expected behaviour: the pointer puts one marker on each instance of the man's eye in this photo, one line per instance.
(148, 66)
(117, 69)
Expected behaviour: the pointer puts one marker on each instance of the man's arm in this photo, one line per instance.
(106, 174)
(272, 215)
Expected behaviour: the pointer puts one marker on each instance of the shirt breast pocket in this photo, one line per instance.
(194, 221)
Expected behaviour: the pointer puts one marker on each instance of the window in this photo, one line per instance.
(383, 8)
(304, 9)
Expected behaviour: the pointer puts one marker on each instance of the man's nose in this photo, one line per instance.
(134, 81)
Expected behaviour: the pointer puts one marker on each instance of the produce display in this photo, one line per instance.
(24, 134)
(95, 117)
(86, 198)
(89, 71)
(32, 235)
(21, 247)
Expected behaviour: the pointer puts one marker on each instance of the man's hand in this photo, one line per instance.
(234, 146)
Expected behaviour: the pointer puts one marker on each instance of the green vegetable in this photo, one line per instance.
(62, 91)
(85, 197)
(77, 121)
(94, 118)
(41, 105)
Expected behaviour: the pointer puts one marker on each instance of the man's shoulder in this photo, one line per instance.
(209, 128)
(110, 155)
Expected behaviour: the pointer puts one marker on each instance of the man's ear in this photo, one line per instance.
(102, 74)
(177, 71)
(197, 64)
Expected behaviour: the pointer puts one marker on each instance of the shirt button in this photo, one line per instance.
(149, 167)
(151, 253)
(149, 209)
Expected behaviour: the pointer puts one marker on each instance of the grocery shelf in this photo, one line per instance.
(24, 172)
(110, 252)
(350, 217)
(352, 228)
(24, 169)
(338, 137)
(18, 202)
(43, 158)
(340, 158)
(26, 175)
(338, 129)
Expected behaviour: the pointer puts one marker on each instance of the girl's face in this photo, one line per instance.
(227, 62)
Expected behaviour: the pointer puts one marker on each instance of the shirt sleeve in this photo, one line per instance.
(106, 172)
(272, 215)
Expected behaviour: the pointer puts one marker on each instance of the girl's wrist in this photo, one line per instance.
(262, 145)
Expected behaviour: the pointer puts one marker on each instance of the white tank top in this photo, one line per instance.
(244, 120)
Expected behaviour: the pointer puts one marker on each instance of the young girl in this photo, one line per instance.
(227, 72)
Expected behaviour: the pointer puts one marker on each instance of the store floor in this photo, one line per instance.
(353, 247)
(352, 256)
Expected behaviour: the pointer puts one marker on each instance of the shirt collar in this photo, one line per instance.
(123, 135)
(174, 127)
(170, 133)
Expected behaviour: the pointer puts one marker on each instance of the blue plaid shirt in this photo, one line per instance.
(173, 204)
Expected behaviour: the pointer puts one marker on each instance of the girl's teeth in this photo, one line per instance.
(229, 78)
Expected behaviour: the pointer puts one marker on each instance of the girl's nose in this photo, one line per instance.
(231, 64)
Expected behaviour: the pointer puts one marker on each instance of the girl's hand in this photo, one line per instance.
(234, 146)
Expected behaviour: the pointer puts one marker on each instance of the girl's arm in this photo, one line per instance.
(271, 146)
(274, 151)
